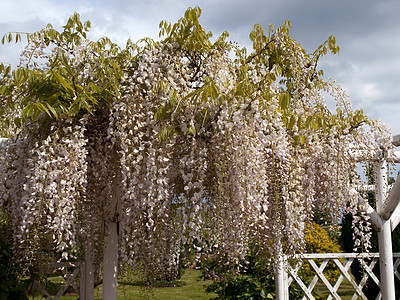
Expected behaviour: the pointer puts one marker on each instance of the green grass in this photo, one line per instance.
(191, 286)
(346, 290)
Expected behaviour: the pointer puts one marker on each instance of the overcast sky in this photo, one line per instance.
(368, 33)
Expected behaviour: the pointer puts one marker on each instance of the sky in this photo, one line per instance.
(367, 31)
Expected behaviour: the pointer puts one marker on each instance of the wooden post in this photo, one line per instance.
(110, 260)
(281, 276)
(110, 263)
(88, 276)
(385, 235)
(82, 285)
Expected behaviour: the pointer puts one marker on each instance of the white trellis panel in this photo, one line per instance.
(78, 268)
(343, 261)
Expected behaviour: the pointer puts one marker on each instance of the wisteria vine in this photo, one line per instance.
(177, 141)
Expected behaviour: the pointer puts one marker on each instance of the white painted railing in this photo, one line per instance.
(343, 262)
(71, 270)
(384, 218)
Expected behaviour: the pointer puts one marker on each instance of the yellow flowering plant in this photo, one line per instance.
(319, 240)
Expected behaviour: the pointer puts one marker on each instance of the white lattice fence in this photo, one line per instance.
(71, 272)
(343, 261)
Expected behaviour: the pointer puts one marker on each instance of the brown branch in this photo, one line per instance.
(266, 47)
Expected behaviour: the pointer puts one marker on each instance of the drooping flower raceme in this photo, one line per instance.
(181, 144)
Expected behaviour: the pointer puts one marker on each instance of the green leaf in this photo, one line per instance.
(158, 115)
(284, 101)
(299, 139)
(51, 109)
(285, 121)
(192, 130)
(164, 133)
(262, 294)
(7, 70)
(63, 82)
(320, 122)
(315, 124)
(339, 112)
(4, 295)
(43, 108)
(17, 122)
(299, 122)
(17, 37)
(292, 122)
(277, 70)
(173, 97)
(308, 123)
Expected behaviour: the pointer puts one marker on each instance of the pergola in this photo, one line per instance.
(385, 219)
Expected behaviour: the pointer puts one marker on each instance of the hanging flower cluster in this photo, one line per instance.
(178, 143)
(41, 183)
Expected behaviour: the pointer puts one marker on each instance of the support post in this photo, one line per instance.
(82, 285)
(385, 235)
(89, 273)
(392, 200)
(110, 259)
(110, 263)
(395, 215)
(281, 276)
(374, 217)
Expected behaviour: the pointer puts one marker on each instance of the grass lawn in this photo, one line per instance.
(191, 286)
(345, 291)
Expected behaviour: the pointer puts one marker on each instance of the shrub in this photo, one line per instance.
(318, 240)
(255, 279)
(11, 286)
